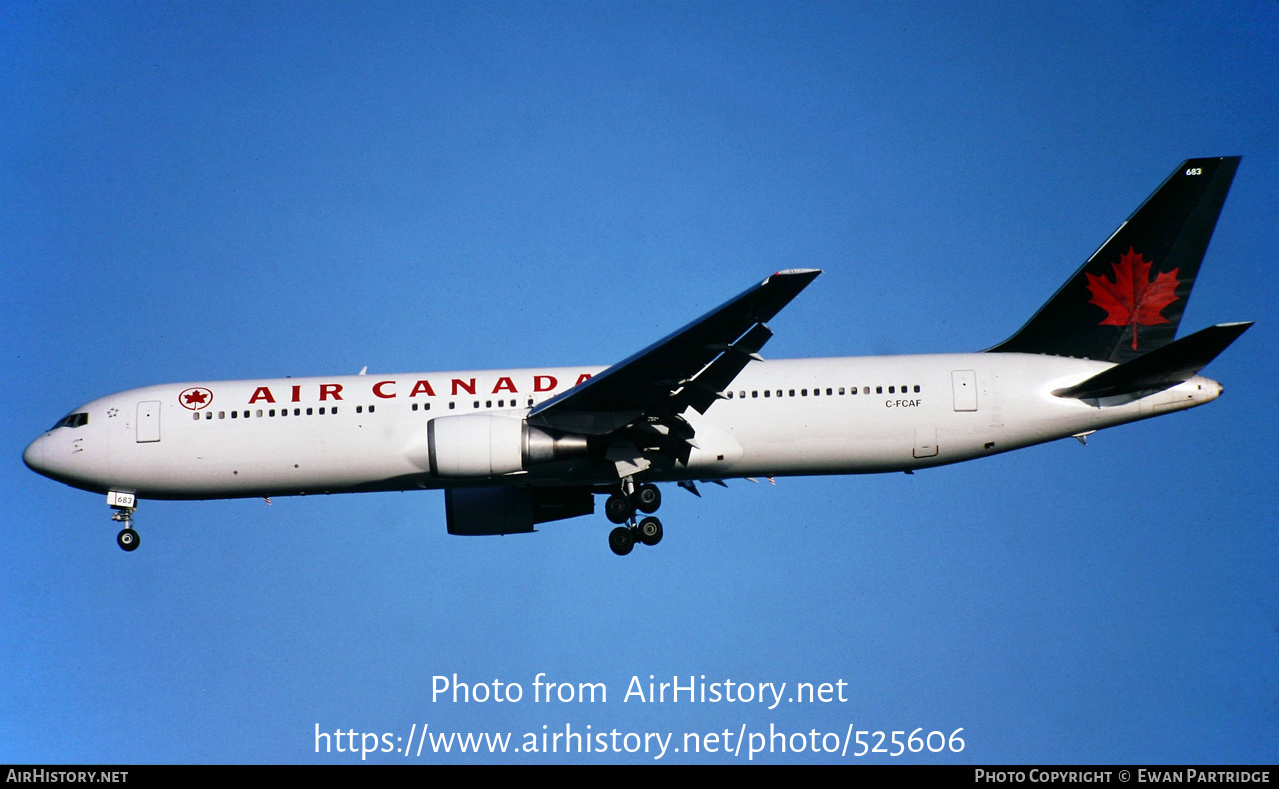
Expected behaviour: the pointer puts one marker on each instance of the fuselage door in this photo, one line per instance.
(925, 441)
(148, 421)
(965, 384)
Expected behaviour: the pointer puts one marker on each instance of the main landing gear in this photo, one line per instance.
(620, 509)
(124, 505)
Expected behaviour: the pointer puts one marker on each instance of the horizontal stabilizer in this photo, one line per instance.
(1160, 369)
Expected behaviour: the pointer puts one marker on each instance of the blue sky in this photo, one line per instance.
(241, 190)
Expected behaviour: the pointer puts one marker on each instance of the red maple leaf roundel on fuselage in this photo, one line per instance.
(1132, 299)
(195, 398)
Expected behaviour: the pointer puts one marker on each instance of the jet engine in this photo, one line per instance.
(485, 511)
(490, 445)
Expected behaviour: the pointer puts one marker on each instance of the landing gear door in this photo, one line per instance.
(965, 384)
(148, 421)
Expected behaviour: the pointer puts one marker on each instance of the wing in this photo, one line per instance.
(686, 369)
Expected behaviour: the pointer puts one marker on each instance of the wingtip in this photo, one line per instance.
(797, 271)
(806, 275)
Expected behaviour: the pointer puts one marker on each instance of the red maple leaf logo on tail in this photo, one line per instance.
(1132, 299)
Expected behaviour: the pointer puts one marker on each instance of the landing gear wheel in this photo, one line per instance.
(618, 509)
(648, 498)
(649, 531)
(128, 540)
(621, 540)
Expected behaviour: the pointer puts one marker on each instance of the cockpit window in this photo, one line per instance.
(72, 420)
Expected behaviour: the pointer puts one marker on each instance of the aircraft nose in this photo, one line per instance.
(33, 456)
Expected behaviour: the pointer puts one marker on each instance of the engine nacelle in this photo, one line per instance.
(483, 511)
(490, 445)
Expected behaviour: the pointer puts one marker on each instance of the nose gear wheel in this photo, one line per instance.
(128, 540)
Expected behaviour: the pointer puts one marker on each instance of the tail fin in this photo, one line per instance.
(1129, 297)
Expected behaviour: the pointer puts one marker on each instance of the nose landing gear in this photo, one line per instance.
(124, 505)
(620, 509)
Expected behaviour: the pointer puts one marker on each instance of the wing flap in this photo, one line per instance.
(704, 390)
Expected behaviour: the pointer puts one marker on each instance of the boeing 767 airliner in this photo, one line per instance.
(515, 448)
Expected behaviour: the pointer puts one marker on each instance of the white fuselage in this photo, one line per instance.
(294, 436)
